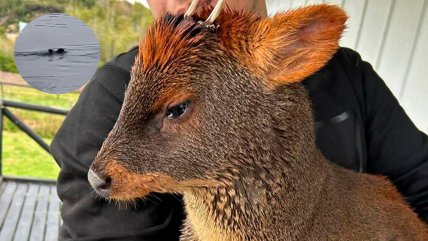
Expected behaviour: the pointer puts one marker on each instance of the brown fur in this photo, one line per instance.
(243, 155)
(129, 185)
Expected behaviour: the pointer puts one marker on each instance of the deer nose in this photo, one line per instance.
(100, 185)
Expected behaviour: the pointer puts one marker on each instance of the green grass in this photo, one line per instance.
(45, 125)
(34, 96)
(7, 62)
(22, 156)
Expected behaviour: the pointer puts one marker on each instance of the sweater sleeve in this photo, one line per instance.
(85, 216)
(395, 146)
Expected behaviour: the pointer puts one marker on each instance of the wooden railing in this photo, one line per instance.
(6, 113)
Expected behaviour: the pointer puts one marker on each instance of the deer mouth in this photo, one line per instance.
(120, 184)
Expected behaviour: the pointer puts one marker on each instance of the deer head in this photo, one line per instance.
(210, 102)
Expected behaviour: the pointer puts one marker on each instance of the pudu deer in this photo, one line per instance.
(215, 111)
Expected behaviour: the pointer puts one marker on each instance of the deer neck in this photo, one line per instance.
(243, 209)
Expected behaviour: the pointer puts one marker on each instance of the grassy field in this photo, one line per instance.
(21, 155)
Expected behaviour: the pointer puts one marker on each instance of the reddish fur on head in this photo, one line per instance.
(284, 49)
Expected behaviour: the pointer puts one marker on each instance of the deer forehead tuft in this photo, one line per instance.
(175, 39)
(283, 49)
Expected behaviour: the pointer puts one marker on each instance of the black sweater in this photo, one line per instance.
(359, 123)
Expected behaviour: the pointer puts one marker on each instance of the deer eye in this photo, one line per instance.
(177, 111)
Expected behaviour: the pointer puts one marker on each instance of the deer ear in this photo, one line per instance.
(293, 45)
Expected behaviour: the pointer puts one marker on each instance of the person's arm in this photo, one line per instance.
(395, 146)
(86, 216)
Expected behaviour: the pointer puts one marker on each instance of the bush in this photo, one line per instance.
(7, 63)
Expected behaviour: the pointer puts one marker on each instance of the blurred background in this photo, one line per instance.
(391, 34)
(118, 26)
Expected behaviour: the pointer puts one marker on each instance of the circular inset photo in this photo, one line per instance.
(57, 53)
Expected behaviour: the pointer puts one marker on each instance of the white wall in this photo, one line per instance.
(393, 36)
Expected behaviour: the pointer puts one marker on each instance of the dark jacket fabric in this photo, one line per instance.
(359, 123)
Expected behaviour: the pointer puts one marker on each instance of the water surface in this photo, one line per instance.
(57, 73)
